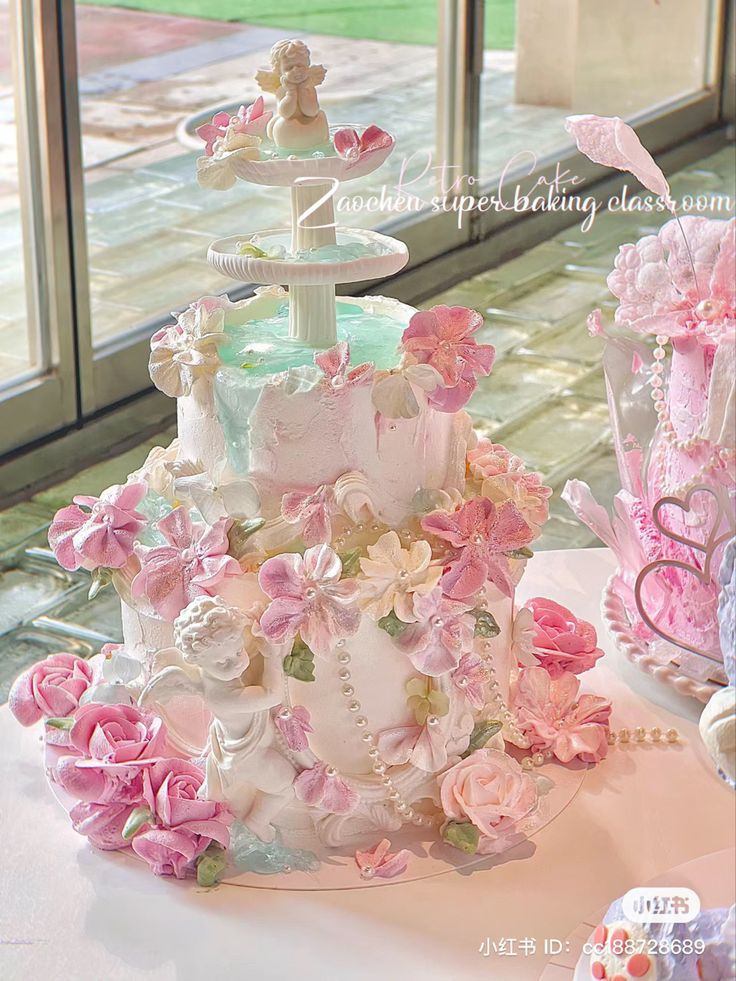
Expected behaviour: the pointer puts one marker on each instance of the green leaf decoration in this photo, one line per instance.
(462, 835)
(100, 578)
(350, 563)
(137, 819)
(210, 866)
(520, 553)
(392, 625)
(240, 532)
(64, 723)
(485, 624)
(423, 700)
(249, 249)
(483, 730)
(300, 663)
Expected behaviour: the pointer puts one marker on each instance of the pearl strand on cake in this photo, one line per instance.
(639, 735)
(379, 766)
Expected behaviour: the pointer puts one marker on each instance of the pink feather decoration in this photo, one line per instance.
(609, 141)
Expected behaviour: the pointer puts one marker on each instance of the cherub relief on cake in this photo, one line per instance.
(243, 768)
(299, 123)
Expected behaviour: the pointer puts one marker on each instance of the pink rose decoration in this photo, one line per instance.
(490, 790)
(308, 598)
(488, 459)
(480, 533)
(194, 563)
(313, 511)
(169, 852)
(102, 824)
(98, 783)
(470, 678)
(443, 633)
(335, 363)
(323, 787)
(50, 689)
(101, 536)
(110, 735)
(441, 337)
(561, 641)
(294, 725)
(552, 714)
(381, 863)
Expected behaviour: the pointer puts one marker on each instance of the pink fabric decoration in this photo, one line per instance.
(424, 746)
(562, 642)
(554, 716)
(351, 146)
(308, 598)
(442, 634)
(116, 734)
(442, 338)
(50, 689)
(103, 535)
(335, 362)
(193, 563)
(101, 824)
(171, 790)
(382, 863)
(653, 280)
(313, 511)
(323, 787)
(609, 141)
(470, 678)
(490, 790)
(480, 533)
(294, 725)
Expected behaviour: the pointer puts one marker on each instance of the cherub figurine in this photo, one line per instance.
(299, 123)
(210, 659)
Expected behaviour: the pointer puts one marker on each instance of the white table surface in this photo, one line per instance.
(69, 912)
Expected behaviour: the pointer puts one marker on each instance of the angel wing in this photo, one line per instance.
(171, 683)
(317, 74)
(268, 81)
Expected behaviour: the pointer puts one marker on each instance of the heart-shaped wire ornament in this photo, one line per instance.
(715, 538)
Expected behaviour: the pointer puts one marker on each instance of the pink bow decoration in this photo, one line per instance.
(351, 146)
(382, 863)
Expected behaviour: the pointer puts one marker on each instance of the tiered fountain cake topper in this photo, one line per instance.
(674, 424)
(317, 578)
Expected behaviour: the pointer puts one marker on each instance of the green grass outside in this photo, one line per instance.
(407, 21)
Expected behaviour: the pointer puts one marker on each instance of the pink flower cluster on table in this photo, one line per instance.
(50, 689)
(562, 642)
(555, 717)
(249, 120)
(308, 598)
(480, 533)
(379, 862)
(491, 791)
(442, 337)
(98, 532)
(194, 562)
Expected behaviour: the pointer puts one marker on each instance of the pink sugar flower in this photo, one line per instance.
(381, 863)
(252, 119)
(170, 851)
(488, 459)
(425, 747)
(561, 641)
(213, 131)
(101, 824)
(193, 563)
(480, 533)
(313, 511)
(470, 678)
(442, 634)
(98, 783)
(308, 598)
(50, 689)
(103, 535)
(294, 725)
(113, 735)
(323, 787)
(171, 789)
(335, 363)
(351, 146)
(441, 337)
(555, 717)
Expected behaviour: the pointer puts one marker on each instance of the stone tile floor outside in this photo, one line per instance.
(545, 400)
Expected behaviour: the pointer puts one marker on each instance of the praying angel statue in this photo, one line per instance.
(299, 123)
(210, 660)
